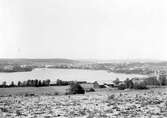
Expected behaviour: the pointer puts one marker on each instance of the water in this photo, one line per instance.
(65, 74)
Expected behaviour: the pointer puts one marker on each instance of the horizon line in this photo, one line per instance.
(93, 59)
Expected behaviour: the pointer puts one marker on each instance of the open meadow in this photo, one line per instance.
(33, 91)
(104, 103)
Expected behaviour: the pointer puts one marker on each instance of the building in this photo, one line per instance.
(138, 80)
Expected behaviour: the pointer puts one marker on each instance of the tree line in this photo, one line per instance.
(65, 83)
(39, 83)
(28, 83)
(149, 81)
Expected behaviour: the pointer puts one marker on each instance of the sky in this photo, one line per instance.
(83, 29)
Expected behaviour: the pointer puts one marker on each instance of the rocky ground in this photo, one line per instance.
(150, 103)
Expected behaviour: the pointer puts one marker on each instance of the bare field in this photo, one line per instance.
(104, 103)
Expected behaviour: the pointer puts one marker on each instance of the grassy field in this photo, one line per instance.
(21, 91)
(104, 103)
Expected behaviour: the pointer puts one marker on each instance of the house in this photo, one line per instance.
(8, 68)
(138, 80)
(109, 84)
(87, 86)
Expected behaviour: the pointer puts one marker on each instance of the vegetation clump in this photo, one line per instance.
(29, 94)
(141, 85)
(121, 86)
(111, 97)
(102, 86)
(116, 81)
(130, 84)
(27, 83)
(76, 88)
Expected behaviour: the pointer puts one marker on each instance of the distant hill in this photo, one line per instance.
(53, 61)
(38, 61)
(126, 61)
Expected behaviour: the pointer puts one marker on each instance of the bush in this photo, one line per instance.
(56, 93)
(111, 97)
(121, 86)
(76, 88)
(141, 85)
(102, 86)
(116, 81)
(29, 94)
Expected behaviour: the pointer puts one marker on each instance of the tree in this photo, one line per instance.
(152, 81)
(40, 83)
(47, 82)
(4, 84)
(24, 83)
(96, 84)
(141, 85)
(19, 84)
(162, 80)
(59, 82)
(43, 83)
(36, 83)
(128, 83)
(76, 88)
(29, 83)
(117, 81)
(12, 84)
